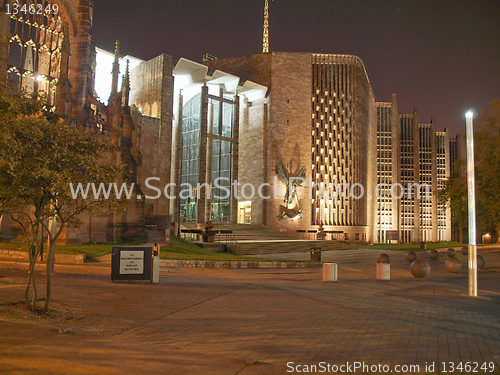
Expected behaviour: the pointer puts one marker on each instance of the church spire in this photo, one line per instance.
(265, 37)
(116, 70)
(126, 86)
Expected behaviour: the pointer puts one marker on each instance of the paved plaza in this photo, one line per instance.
(236, 321)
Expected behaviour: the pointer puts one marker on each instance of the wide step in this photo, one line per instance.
(259, 239)
(276, 247)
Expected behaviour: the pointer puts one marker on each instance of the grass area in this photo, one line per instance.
(91, 250)
(410, 246)
(178, 249)
(183, 250)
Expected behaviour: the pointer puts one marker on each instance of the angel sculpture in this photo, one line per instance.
(291, 209)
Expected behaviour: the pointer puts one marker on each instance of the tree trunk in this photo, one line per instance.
(50, 269)
(31, 278)
(31, 282)
(52, 235)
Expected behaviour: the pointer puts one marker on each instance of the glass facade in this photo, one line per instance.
(190, 156)
(219, 154)
(221, 168)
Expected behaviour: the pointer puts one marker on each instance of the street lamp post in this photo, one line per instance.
(471, 204)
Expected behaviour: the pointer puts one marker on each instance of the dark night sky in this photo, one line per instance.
(442, 56)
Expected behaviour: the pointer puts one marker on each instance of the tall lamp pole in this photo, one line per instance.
(472, 205)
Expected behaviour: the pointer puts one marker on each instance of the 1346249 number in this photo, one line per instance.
(468, 367)
(15, 9)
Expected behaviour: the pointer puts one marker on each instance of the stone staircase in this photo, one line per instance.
(276, 247)
(258, 239)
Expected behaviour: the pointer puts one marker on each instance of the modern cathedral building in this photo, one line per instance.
(237, 129)
(316, 122)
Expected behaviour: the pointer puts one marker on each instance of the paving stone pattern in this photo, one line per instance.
(225, 321)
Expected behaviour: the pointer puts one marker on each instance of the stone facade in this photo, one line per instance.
(425, 160)
(152, 91)
(71, 71)
(388, 170)
(290, 131)
(318, 119)
(144, 140)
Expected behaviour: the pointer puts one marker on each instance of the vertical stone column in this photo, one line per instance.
(235, 156)
(266, 168)
(202, 166)
(82, 60)
(416, 177)
(396, 164)
(434, 230)
(63, 93)
(210, 141)
(165, 131)
(447, 175)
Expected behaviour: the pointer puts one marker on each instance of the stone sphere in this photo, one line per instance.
(411, 256)
(433, 254)
(480, 262)
(453, 265)
(451, 252)
(465, 250)
(420, 268)
(383, 258)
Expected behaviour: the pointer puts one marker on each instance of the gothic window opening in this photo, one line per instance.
(35, 47)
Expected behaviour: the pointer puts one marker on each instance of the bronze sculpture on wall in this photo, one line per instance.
(291, 209)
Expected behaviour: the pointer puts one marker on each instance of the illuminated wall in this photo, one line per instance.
(388, 161)
(104, 65)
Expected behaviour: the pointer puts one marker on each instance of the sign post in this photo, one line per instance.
(392, 235)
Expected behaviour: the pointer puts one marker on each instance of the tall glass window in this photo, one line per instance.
(220, 142)
(221, 169)
(190, 155)
(222, 120)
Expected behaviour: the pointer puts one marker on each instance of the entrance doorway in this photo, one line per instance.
(245, 212)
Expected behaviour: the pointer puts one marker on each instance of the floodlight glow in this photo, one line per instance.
(39, 78)
(469, 114)
(104, 66)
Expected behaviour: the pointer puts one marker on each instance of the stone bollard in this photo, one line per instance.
(453, 265)
(433, 255)
(383, 271)
(329, 271)
(480, 262)
(420, 268)
(411, 256)
(383, 267)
